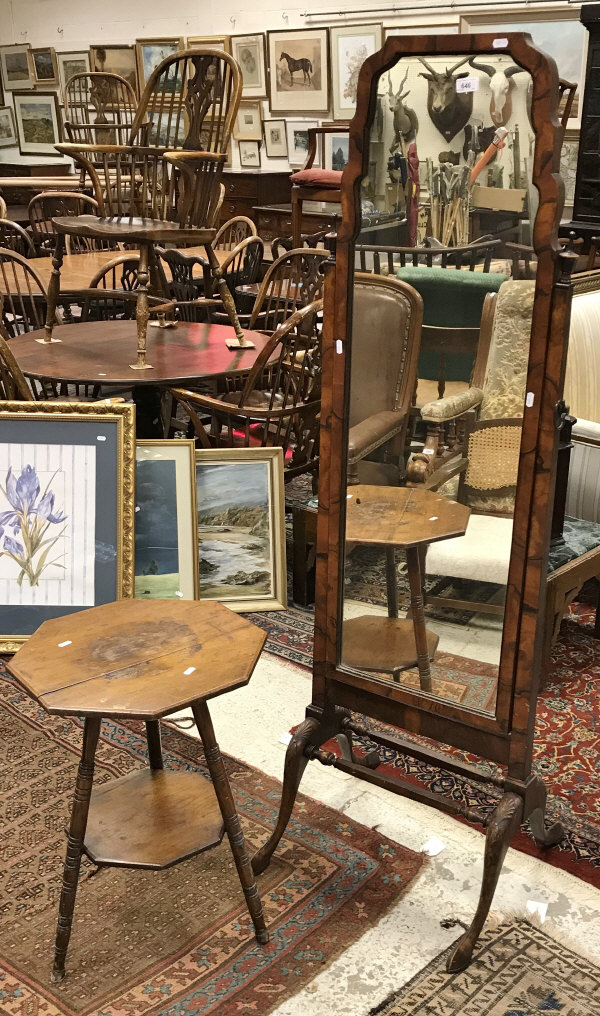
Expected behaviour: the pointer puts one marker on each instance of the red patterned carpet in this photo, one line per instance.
(566, 750)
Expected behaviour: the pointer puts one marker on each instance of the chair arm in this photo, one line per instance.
(369, 434)
(452, 406)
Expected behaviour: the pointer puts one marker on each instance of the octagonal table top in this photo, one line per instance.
(138, 659)
(402, 516)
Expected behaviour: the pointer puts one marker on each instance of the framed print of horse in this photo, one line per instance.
(298, 70)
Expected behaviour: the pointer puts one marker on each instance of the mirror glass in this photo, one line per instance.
(435, 407)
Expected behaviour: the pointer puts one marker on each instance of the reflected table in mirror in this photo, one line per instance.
(409, 519)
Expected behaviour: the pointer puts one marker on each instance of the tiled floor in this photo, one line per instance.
(249, 723)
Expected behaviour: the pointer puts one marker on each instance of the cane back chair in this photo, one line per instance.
(164, 192)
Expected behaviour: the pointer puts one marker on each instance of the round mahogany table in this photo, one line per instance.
(100, 353)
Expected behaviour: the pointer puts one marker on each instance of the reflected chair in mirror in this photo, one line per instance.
(386, 327)
(100, 109)
(312, 183)
(165, 191)
(233, 232)
(42, 210)
(14, 237)
(279, 404)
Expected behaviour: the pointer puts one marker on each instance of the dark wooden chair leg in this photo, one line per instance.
(79, 815)
(231, 819)
(154, 745)
(503, 826)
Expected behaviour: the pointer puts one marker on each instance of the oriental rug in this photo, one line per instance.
(176, 942)
(566, 745)
(517, 971)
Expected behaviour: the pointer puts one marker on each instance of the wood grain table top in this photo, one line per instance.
(402, 516)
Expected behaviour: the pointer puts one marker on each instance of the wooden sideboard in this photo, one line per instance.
(244, 189)
(276, 219)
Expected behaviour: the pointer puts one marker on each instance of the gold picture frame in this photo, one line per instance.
(209, 42)
(76, 465)
(45, 65)
(121, 60)
(149, 53)
(241, 527)
(165, 485)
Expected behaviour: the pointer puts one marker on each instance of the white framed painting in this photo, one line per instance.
(249, 51)
(248, 122)
(275, 139)
(15, 63)
(298, 70)
(7, 127)
(350, 47)
(37, 116)
(249, 154)
(297, 140)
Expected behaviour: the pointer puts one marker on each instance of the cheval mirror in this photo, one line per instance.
(443, 497)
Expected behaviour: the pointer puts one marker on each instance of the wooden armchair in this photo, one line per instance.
(233, 232)
(23, 297)
(14, 237)
(313, 184)
(100, 108)
(292, 281)
(279, 404)
(13, 384)
(45, 206)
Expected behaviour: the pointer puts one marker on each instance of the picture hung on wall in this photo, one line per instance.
(249, 154)
(275, 139)
(559, 33)
(249, 51)
(298, 71)
(7, 127)
(336, 150)
(241, 534)
(297, 140)
(37, 116)
(62, 552)
(421, 26)
(45, 67)
(116, 60)
(220, 42)
(151, 52)
(248, 122)
(166, 528)
(15, 62)
(350, 47)
(70, 64)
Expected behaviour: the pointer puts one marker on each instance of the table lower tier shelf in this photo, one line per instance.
(382, 644)
(152, 819)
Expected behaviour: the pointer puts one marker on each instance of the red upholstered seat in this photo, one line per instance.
(318, 178)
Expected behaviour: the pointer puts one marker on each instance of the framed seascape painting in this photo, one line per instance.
(249, 154)
(248, 122)
(297, 140)
(45, 67)
(66, 511)
(15, 62)
(37, 115)
(275, 139)
(7, 127)
(298, 71)
(116, 60)
(150, 53)
(70, 64)
(249, 51)
(166, 528)
(241, 532)
(350, 47)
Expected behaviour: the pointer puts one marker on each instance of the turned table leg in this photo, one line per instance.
(154, 745)
(54, 286)
(231, 819)
(391, 581)
(413, 568)
(79, 815)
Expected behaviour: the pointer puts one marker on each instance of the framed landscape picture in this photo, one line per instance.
(166, 530)
(241, 534)
(66, 503)
(350, 47)
(70, 64)
(248, 122)
(249, 154)
(151, 52)
(297, 140)
(45, 67)
(249, 51)
(116, 60)
(37, 115)
(336, 150)
(275, 139)
(298, 71)
(7, 127)
(15, 63)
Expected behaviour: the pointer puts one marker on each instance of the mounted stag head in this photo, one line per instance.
(501, 103)
(449, 110)
(406, 123)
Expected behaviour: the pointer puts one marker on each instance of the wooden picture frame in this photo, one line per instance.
(275, 134)
(120, 60)
(70, 63)
(298, 61)
(165, 496)
(149, 53)
(336, 149)
(221, 42)
(8, 134)
(15, 64)
(249, 51)
(249, 154)
(297, 140)
(45, 66)
(248, 122)
(350, 45)
(70, 465)
(441, 25)
(38, 122)
(242, 485)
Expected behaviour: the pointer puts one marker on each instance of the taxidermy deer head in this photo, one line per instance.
(449, 110)
(406, 123)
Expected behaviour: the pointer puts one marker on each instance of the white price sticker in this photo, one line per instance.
(467, 84)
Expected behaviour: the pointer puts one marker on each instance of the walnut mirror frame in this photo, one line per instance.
(505, 735)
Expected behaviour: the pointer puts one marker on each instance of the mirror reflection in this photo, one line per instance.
(440, 342)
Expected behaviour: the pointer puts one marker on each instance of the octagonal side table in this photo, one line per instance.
(143, 659)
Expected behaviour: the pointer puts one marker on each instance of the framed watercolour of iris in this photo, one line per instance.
(66, 511)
